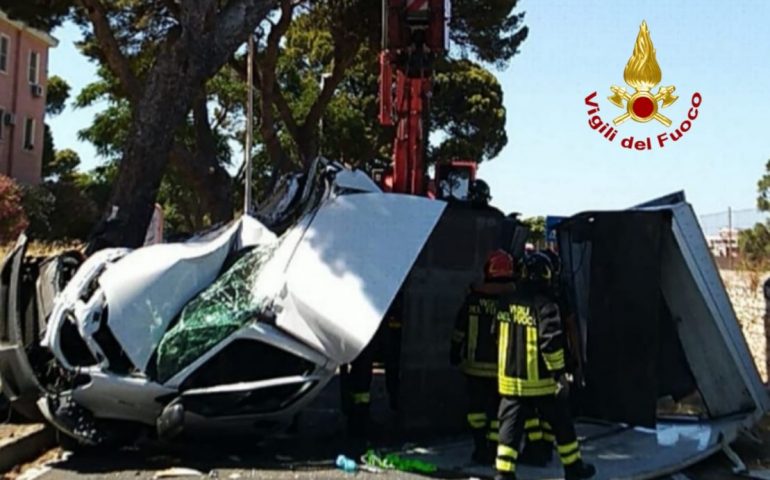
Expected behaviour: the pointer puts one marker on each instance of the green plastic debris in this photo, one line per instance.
(393, 461)
(219, 310)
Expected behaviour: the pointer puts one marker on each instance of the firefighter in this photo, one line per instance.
(356, 377)
(531, 372)
(355, 386)
(391, 350)
(474, 348)
(480, 194)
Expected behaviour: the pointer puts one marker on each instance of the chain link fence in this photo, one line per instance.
(722, 230)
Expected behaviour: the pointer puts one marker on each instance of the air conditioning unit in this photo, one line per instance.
(37, 90)
(9, 118)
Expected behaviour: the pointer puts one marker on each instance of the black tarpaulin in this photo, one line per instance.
(630, 340)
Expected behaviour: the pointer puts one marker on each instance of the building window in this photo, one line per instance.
(34, 67)
(29, 134)
(5, 47)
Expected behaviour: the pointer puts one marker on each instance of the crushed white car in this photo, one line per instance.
(237, 326)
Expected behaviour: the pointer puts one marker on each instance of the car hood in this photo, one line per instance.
(336, 273)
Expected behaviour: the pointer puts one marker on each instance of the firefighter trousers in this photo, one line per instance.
(513, 413)
(483, 401)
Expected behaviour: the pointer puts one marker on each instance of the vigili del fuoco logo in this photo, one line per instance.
(642, 74)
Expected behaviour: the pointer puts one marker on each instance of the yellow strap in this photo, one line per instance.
(364, 397)
(505, 465)
(532, 423)
(532, 360)
(526, 388)
(494, 424)
(534, 436)
(555, 360)
(568, 448)
(473, 335)
(493, 436)
(549, 437)
(570, 459)
(502, 349)
(479, 369)
(477, 420)
(546, 425)
(506, 451)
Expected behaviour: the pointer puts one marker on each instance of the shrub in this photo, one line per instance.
(38, 203)
(13, 221)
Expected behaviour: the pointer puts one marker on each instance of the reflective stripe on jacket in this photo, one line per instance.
(474, 340)
(531, 346)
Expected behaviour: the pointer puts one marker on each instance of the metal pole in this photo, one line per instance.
(730, 236)
(324, 77)
(249, 125)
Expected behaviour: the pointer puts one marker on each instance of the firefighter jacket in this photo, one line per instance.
(474, 340)
(531, 345)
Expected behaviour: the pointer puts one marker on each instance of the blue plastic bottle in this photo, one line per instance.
(346, 464)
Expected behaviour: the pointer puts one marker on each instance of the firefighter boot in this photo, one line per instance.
(483, 452)
(579, 470)
(505, 476)
(358, 421)
(537, 453)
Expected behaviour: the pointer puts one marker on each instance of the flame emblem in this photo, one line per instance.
(642, 73)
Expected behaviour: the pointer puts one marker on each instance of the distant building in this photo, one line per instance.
(23, 78)
(725, 244)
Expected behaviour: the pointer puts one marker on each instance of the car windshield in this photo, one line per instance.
(219, 310)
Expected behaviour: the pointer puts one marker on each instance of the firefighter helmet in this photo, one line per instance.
(499, 266)
(538, 269)
(555, 260)
(480, 192)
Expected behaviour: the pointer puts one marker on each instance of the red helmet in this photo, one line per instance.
(499, 265)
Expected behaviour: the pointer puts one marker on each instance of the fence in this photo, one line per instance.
(722, 229)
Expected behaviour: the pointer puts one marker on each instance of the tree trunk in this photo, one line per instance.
(216, 183)
(166, 99)
(191, 54)
(307, 144)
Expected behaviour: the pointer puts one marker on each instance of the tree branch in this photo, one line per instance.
(109, 47)
(268, 94)
(234, 24)
(341, 64)
(287, 116)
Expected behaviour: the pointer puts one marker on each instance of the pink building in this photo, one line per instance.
(23, 77)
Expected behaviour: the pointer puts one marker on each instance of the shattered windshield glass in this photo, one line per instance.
(221, 309)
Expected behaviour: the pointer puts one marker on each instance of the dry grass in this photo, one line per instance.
(44, 249)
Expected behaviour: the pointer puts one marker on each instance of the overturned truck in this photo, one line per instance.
(665, 375)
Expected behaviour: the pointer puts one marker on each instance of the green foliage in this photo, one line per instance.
(466, 120)
(489, 30)
(61, 209)
(467, 116)
(49, 150)
(108, 129)
(536, 229)
(38, 202)
(74, 212)
(763, 188)
(467, 109)
(754, 243)
(13, 221)
(63, 166)
(42, 14)
(57, 93)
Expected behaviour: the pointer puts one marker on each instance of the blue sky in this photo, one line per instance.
(554, 162)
